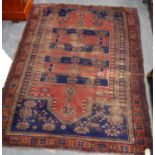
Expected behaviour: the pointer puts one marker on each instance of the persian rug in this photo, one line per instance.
(77, 82)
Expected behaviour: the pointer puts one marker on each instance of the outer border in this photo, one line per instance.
(89, 146)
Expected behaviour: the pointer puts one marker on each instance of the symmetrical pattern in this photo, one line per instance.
(77, 82)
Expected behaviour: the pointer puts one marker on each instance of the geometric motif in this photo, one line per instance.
(77, 82)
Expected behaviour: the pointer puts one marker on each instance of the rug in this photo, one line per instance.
(77, 82)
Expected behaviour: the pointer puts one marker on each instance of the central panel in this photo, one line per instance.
(79, 64)
(74, 87)
(76, 69)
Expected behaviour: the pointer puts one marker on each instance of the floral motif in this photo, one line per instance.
(112, 132)
(115, 116)
(100, 114)
(30, 104)
(69, 91)
(63, 127)
(25, 112)
(49, 127)
(22, 125)
(115, 119)
(82, 128)
(68, 110)
(34, 127)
